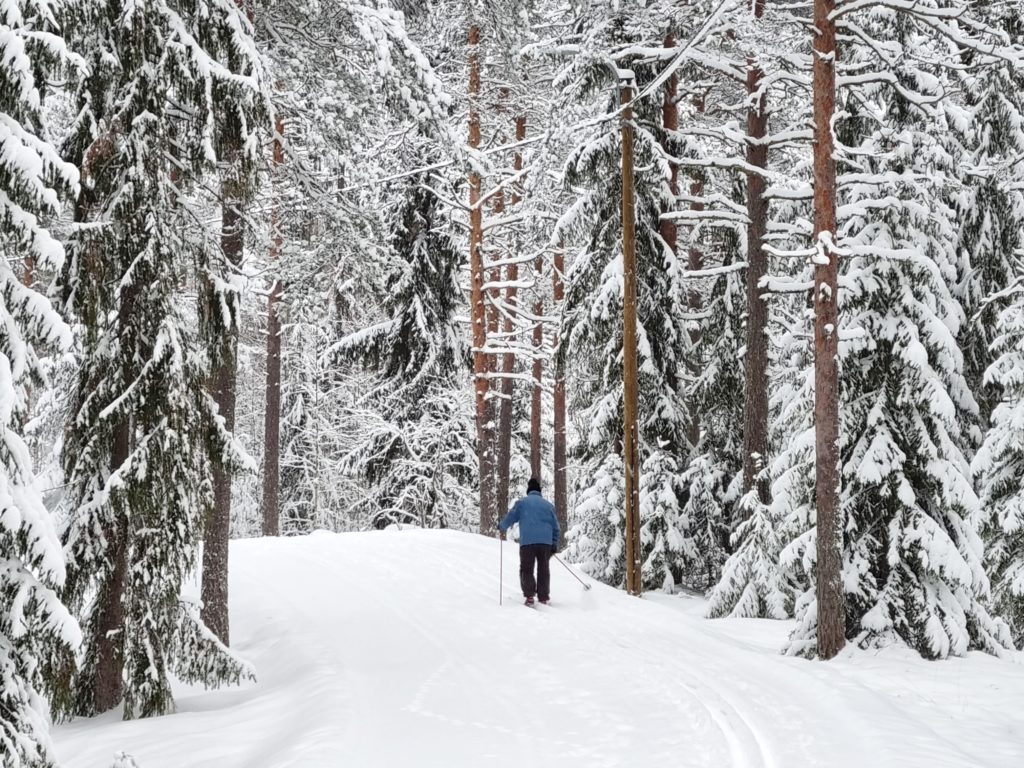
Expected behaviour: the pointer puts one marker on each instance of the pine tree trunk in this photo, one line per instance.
(561, 498)
(538, 372)
(272, 413)
(507, 402)
(695, 263)
(223, 389)
(478, 314)
(670, 122)
(830, 597)
(755, 414)
(631, 447)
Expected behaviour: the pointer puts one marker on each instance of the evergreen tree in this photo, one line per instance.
(992, 236)
(154, 109)
(417, 454)
(34, 624)
(913, 570)
(1000, 467)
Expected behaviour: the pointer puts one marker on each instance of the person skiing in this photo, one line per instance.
(539, 533)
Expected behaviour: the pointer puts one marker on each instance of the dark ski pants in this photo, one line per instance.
(539, 554)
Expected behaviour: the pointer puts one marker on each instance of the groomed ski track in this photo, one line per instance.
(390, 649)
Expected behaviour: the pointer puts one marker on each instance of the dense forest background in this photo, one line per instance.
(274, 267)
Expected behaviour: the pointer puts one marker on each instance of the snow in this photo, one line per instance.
(389, 648)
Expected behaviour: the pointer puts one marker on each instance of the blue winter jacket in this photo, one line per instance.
(536, 518)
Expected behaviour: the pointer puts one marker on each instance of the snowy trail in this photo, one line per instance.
(389, 649)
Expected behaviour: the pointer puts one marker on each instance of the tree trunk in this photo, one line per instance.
(695, 263)
(561, 499)
(478, 313)
(506, 403)
(108, 686)
(670, 122)
(538, 372)
(223, 387)
(272, 413)
(631, 448)
(755, 413)
(830, 597)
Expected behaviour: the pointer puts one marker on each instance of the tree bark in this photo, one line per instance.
(631, 448)
(561, 498)
(695, 263)
(478, 312)
(108, 686)
(670, 122)
(831, 600)
(272, 412)
(507, 402)
(755, 413)
(536, 422)
(223, 387)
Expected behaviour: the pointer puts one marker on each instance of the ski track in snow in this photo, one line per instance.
(389, 649)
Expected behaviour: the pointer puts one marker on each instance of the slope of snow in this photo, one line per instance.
(390, 649)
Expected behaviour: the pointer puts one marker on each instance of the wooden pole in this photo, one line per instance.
(629, 346)
(830, 597)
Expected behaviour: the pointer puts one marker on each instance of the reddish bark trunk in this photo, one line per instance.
(538, 371)
(693, 298)
(561, 498)
(478, 312)
(631, 447)
(830, 597)
(507, 404)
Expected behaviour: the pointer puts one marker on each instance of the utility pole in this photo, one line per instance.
(631, 447)
(831, 601)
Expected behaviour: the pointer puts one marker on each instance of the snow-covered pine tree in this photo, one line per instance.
(417, 455)
(992, 240)
(34, 624)
(913, 570)
(592, 321)
(999, 465)
(156, 106)
(987, 133)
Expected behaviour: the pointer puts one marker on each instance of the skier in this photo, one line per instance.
(538, 540)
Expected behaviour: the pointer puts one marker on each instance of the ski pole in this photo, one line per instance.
(570, 570)
(501, 568)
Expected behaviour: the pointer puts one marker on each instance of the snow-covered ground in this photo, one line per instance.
(389, 649)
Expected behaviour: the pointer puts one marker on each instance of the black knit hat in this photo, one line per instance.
(533, 485)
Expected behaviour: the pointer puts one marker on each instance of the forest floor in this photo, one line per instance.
(389, 650)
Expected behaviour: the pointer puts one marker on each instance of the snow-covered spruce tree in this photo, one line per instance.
(417, 454)
(155, 107)
(913, 570)
(999, 466)
(987, 133)
(34, 624)
(991, 243)
(592, 322)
